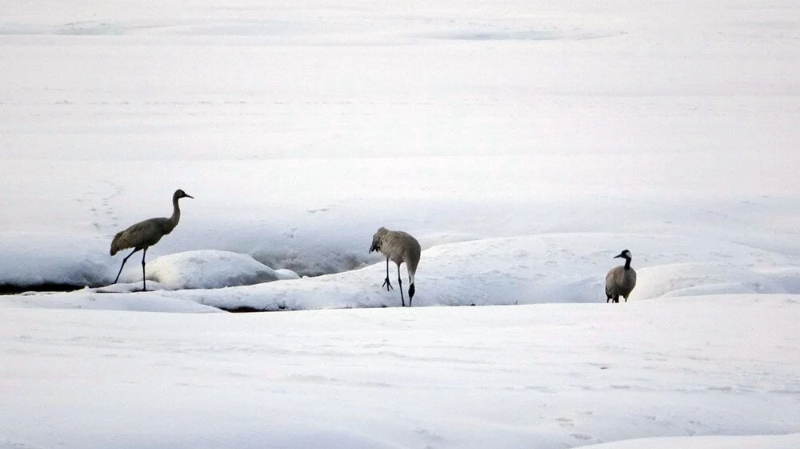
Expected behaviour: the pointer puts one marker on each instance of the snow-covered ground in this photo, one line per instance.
(523, 143)
(545, 376)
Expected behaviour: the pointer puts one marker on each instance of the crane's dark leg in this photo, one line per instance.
(123, 263)
(400, 282)
(144, 281)
(386, 282)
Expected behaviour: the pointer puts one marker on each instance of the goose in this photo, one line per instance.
(621, 280)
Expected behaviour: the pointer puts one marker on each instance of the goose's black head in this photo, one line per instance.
(625, 254)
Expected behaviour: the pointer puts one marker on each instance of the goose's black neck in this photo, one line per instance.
(627, 263)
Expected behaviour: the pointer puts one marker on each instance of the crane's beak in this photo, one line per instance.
(186, 195)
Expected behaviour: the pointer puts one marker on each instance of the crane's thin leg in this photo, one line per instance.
(400, 281)
(123, 264)
(386, 282)
(144, 281)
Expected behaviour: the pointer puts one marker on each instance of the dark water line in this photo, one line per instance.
(12, 289)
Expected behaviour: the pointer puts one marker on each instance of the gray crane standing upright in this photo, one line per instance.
(620, 281)
(147, 233)
(399, 247)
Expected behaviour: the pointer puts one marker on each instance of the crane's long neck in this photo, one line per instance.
(176, 215)
(627, 261)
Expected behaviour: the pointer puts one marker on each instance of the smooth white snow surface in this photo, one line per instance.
(523, 143)
(545, 376)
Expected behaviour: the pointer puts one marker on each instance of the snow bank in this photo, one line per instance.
(693, 279)
(31, 258)
(117, 297)
(210, 269)
(791, 441)
(553, 268)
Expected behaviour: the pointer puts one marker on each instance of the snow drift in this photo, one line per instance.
(210, 269)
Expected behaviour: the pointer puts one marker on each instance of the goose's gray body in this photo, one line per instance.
(620, 281)
(147, 233)
(399, 247)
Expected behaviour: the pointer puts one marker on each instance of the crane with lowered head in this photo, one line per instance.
(399, 247)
